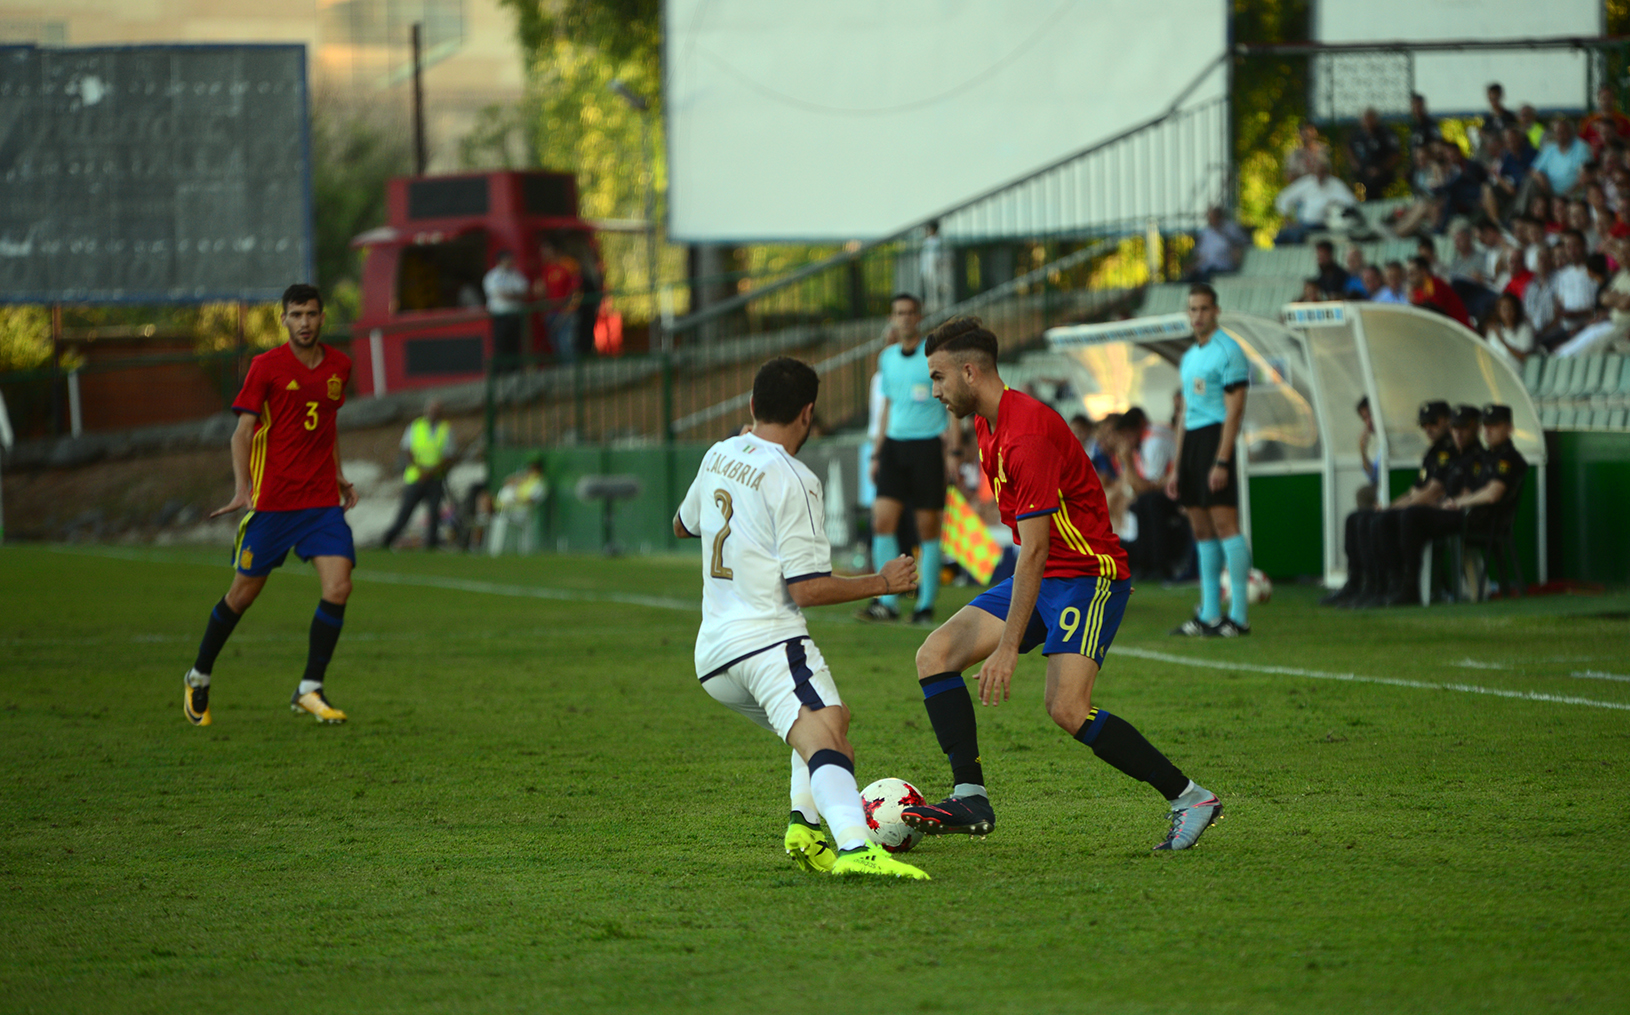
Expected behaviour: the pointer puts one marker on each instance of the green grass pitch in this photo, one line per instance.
(534, 808)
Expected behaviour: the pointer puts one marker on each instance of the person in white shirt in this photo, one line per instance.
(1539, 302)
(760, 515)
(1509, 335)
(1574, 288)
(506, 290)
(1218, 249)
(934, 270)
(1307, 203)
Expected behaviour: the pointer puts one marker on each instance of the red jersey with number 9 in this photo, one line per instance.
(1037, 467)
(291, 459)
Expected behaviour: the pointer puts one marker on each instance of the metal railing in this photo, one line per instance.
(1062, 243)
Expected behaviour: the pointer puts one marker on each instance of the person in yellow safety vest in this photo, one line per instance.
(427, 447)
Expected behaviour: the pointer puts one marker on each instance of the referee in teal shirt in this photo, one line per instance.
(1216, 377)
(908, 461)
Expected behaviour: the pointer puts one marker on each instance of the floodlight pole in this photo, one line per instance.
(419, 159)
(639, 105)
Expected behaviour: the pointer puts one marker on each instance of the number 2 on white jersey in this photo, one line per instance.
(727, 508)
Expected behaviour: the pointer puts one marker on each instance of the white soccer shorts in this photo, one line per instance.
(770, 686)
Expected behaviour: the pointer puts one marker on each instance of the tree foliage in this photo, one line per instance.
(1269, 100)
(354, 151)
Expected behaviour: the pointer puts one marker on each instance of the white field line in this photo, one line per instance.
(1599, 675)
(1292, 671)
(1473, 664)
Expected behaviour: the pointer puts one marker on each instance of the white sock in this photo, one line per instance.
(803, 801)
(197, 679)
(307, 686)
(968, 789)
(1193, 794)
(838, 799)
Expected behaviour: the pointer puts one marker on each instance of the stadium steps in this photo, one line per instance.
(1579, 392)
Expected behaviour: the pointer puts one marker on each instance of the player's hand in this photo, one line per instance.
(996, 675)
(871, 467)
(1171, 487)
(348, 494)
(240, 500)
(1449, 504)
(1218, 478)
(900, 574)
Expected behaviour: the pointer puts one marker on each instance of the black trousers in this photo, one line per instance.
(506, 341)
(1161, 546)
(429, 491)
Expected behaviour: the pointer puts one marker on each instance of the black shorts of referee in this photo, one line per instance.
(1194, 471)
(913, 473)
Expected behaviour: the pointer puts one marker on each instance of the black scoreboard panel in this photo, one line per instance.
(153, 173)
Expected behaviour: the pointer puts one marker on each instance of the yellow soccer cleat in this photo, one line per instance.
(194, 701)
(808, 846)
(313, 703)
(874, 859)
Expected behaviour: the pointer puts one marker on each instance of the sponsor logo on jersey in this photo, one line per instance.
(334, 386)
(293, 386)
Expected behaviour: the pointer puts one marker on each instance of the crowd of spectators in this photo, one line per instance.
(1537, 217)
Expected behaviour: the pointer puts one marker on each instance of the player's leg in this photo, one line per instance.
(1209, 551)
(1237, 558)
(886, 509)
(334, 572)
(432, 496)
(412, 493)
(1083, 616)
(968, 637)
(1349, 543)
(252, 565)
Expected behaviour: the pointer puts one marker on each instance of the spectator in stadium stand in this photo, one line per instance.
(1556, 168)
(1353, 259)
(1393, 291)
(1466, 271)
(1461, 193)
(1374, 151)
(1509, 333)
(1532, 127)
(1146, 465)
(1508, 174)
(1601, 216)
(1423, 129)
(1331, 277)
(1218, 249)
(1309, 151)
(559, 283)
(1604, 125)
(1430, 291)
(1539, 300)
(1311, 293)
(1373, 281)
(1498, 118)
(1610, 334)
(1616, 183)
(506, 290)
(1579, 220)
(1308, 201)
(1574, 289)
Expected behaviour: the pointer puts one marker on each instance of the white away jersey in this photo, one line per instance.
(759, 514)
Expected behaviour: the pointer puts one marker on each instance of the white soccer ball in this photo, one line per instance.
(1258, 590)
(883, 801)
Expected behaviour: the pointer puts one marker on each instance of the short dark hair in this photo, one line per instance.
(1596, 264)
(962, 334)
(1201, 289)
(782, 388)
(1495, 86)
(1325, 245)
(1575, 234)
(1134, 420)
(1393, 264)
(1421, 263)
(300, 292)
(1363, 404)
(897, 297)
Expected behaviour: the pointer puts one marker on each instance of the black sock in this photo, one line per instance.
(325, 633)
(221, 622)
(1116, 741)
(950, 710)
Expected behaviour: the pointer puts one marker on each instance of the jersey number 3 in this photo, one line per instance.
(726, 508)
(311, 415)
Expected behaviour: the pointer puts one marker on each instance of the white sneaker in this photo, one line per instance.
(1189, 822)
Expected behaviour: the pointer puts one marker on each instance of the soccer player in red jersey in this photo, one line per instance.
(286, 465)
(1067, 594)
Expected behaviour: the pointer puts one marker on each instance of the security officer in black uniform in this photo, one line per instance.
(1497, 477)
(1422, 523)
(1367, 582)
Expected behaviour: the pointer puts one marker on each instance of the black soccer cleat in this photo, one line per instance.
(957, 815)
(1194, 627)
(877, 610)
(923, 617)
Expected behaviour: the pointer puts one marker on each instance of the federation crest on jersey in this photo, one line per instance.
(334, 386)
(1200, 386)
(246, 559)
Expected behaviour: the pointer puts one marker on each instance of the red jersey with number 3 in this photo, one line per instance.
(291, 459)
(1037, 467)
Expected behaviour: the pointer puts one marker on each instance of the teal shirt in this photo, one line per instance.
(914, 413)
(1207, 370)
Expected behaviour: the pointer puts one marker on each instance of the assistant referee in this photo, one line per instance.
(908, 461)
(1216, 377)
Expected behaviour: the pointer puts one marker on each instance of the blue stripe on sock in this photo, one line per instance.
(941, 686)
(827, 756)
(1088, 733)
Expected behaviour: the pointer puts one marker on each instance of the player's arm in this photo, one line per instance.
(1176, 462)
(348, 493)
(898, 575)
(1234, 413)
(680, 532)
(241, 438)
(997, 673)
(1429, 493)
(877, 442)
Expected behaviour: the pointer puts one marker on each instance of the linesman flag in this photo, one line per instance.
(965, 539)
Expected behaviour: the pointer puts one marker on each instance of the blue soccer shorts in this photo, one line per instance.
(1076, 615)
(266, 537)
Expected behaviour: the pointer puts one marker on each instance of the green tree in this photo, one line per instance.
(1269, 100)
(353, 153)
